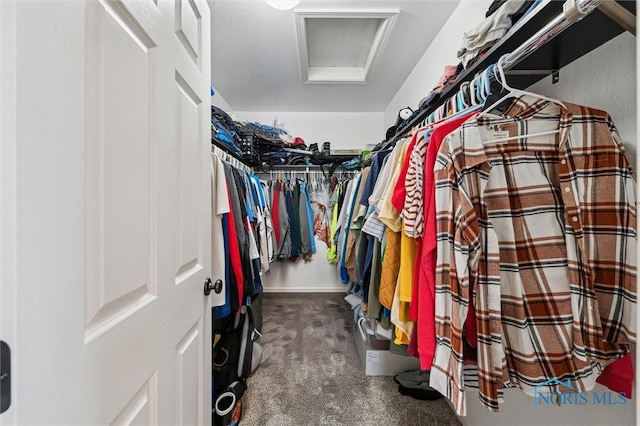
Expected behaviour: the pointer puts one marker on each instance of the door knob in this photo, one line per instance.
(208, 286)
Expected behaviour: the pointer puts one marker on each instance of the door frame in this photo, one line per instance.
(8, 193)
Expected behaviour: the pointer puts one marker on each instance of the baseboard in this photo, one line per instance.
(305, 289)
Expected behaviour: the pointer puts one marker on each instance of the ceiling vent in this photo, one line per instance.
(341, 46)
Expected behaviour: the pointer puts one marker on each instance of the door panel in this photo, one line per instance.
(113, 206)
(119, 179)
(141, 409)
(188, 128)
(190, 380)
(189, 28)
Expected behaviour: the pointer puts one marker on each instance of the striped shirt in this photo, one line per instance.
(412, 213)
(540, 233)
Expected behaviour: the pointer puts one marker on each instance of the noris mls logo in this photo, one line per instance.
(567, 395)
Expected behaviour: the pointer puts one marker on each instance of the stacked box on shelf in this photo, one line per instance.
(249, 148)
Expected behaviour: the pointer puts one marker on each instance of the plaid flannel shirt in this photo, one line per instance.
(539, 233)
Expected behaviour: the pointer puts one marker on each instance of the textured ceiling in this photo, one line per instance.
(255, 55)
(336, 42)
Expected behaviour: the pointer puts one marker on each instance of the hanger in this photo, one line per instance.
(512, 92)
(479, 86)
(517, 93)
(476, 90)
(465, 95)
(472, 92)
(231, 160)
(460, 102)
(461, 107)
(486, 81)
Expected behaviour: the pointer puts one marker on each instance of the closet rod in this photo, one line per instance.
(572, 11)
(284, 167)
(303, 168)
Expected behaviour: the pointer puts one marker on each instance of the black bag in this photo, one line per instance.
(232, 356)
(256, 312)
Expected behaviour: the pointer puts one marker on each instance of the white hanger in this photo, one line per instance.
(512, 92)
(516, 93)
(485, 87)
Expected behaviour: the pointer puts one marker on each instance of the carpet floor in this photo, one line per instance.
(311, 373)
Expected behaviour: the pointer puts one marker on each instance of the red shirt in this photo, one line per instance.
(275, 213)
(234, 253)
(618, 376)
(400, 190)
(427, 264)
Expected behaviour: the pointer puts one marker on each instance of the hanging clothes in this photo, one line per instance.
(240, 234)
(243, 231)
(232, 298)
(262, 225)
(275, 213)
(234, 247)
(319, 196)
(332, 252)
(284, 245)
(373, 226)
(369, 260)
(347, 194)
(424, 308)
(390, 218)
(294, 223)
(219, 208)
(307, 243)
(373, 302)
(310, 217)
(345, 230)
(252, 222)
(356, 220)
(269, 237)
(545, 240)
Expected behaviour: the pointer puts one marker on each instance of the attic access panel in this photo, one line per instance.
(341, 46)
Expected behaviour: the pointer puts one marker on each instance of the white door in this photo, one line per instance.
(106, 211)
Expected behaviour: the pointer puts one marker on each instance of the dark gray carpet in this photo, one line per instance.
(311, 373)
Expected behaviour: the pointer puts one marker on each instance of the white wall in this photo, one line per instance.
(345, 130)
(316, 276)
(220, 102)
(603, 79)
(440, 53)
